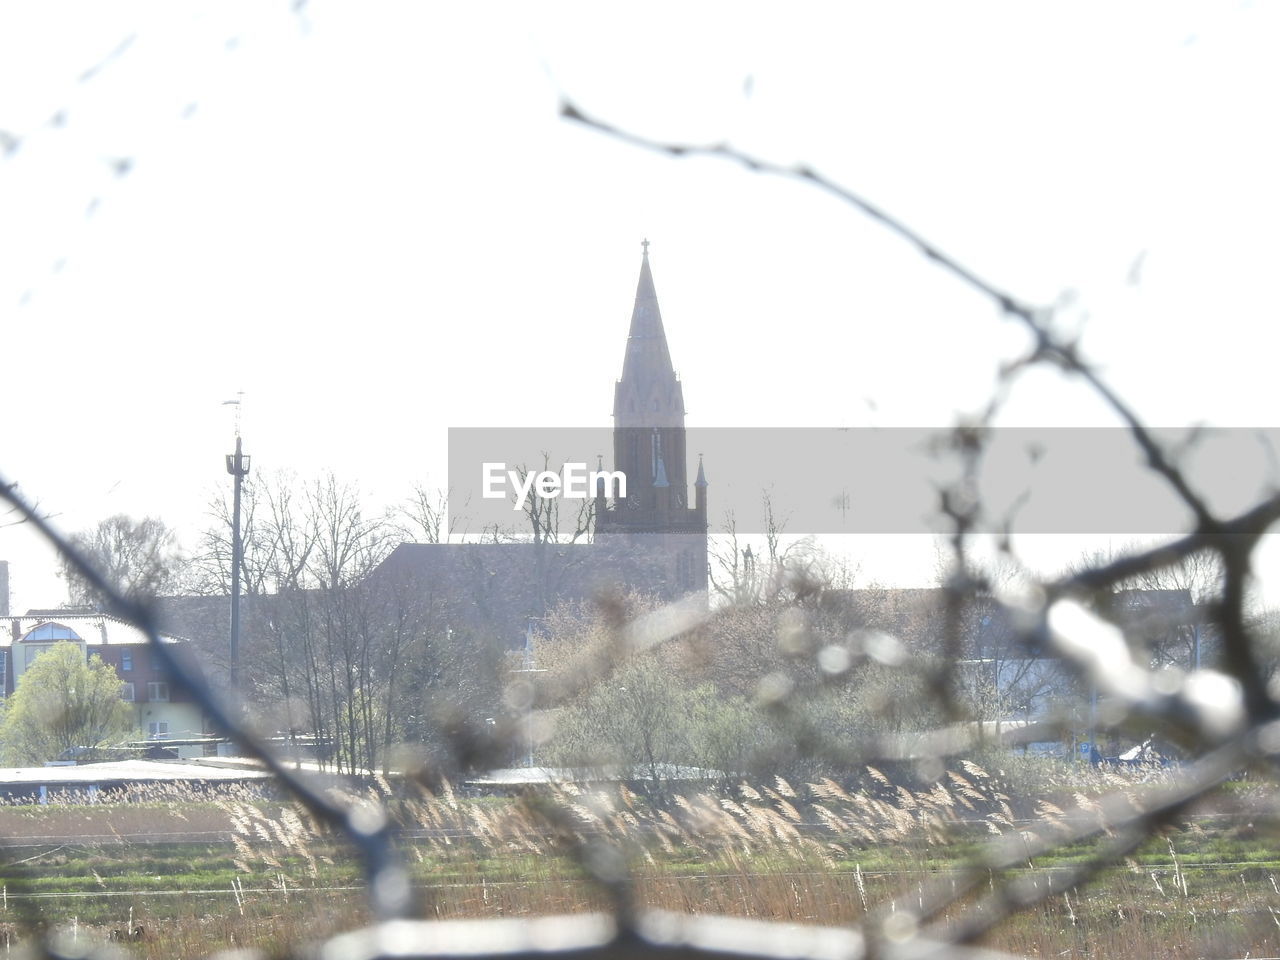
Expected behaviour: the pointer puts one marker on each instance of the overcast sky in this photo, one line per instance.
(371, 220)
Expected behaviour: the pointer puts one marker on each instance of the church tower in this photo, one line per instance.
(655, 522)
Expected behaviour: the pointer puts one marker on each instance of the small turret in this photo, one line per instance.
(700, 490)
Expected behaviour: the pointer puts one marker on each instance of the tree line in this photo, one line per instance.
(381, 668)
(328, 651)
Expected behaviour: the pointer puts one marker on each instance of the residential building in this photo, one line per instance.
(163, 710)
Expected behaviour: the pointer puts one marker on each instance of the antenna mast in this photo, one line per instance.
(238, 467)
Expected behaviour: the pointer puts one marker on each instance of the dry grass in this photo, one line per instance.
(821, 852)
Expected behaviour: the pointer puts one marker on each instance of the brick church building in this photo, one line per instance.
(653, 541)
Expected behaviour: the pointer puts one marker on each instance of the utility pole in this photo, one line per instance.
(238, 467)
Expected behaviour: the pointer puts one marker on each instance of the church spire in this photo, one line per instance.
(655, 521)
(647, 352)
(648, 394)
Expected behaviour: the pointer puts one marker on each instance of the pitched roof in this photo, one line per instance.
(97, 629)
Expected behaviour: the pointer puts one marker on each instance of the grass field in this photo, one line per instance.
(199, 873)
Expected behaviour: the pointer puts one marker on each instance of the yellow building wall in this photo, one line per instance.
(184, 720)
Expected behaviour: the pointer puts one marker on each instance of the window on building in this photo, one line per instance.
(126, 692)
(157, 690)
(52, 631)
(157, 729)
(126, 660)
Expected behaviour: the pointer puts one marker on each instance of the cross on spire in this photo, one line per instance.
(644, 245)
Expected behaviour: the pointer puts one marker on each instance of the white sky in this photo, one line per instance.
(371, 220)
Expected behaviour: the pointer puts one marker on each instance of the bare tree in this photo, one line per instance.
(1166, 613)
(543, 514)
(276, 536)
(758, 569)
(426, 517)
(139, 557)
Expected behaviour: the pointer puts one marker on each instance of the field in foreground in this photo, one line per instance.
(187, 875)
